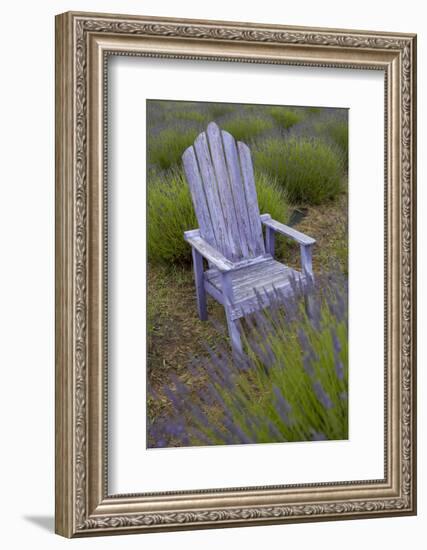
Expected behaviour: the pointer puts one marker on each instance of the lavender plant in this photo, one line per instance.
(286, 117)
(166, 147)
(310, 170)
(337, 130)
(290, 385)
(314, 110)
(246, 128)
(218, 110)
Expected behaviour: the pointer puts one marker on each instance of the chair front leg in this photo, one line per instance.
(306, 260)
(200, 284)
(233, 324)
(307, 269)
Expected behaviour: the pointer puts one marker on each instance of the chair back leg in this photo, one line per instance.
(200, 285)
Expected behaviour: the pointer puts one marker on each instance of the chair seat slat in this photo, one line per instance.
(256, 282)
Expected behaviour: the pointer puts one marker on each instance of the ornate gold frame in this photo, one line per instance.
(83, 42)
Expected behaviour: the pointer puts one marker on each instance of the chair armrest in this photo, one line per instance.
(207, 251)
(297, 236)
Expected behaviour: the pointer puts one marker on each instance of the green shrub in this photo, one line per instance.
(309, 170)
(337, 130)
(245, 129)
(170, 212)
(271, 198)
(192, 116)
(286, 118)
(166, 148)
(217, 110)
(314, 110)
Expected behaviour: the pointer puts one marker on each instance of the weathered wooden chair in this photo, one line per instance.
(242, 267)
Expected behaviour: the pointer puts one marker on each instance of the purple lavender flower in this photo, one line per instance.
(181, 388)
(283, 407)
(213, 375)
(304, 341)
(198, 415)
(340, 307)
(258, 322)
(222, 435)
(216, 396)
(235, 430)
(173, 398)
(339, 369)
(200, 436)
(275, 433)
(176, 429)
(318, 436)
(265, 354)
(335, 341)
(314, 311)
(252, 424)
(309, 356)
(307, 364)
(321, 395)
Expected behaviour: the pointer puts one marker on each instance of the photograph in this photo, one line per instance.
(247, 273)
(235, 271)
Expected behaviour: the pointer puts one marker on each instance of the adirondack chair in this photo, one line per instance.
(241, 264)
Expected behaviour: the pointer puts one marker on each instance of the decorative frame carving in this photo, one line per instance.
(83, 42)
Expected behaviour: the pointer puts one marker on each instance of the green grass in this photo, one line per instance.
(174, 330)
(166, 148)
(246, 128)
(286, 118)
(309, 170)
(170, 212)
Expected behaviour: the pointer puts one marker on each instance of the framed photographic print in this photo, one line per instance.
(235, 274)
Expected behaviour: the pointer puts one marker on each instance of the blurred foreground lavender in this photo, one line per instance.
(291, 384)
